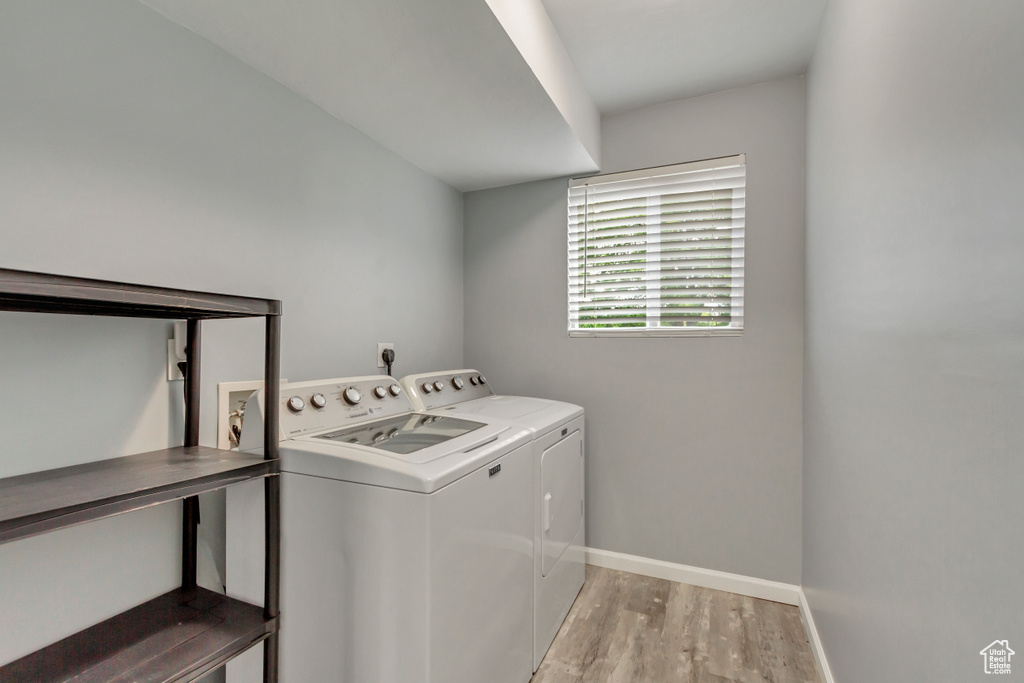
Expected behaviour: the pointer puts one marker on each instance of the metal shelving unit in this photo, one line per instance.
(190, 631)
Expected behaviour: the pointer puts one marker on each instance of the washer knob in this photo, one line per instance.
(427, 388)
(379, 392)
(395, 390)
(457, 383)
(473, 381)
(352, 396)
(481, 379)
(318, 400)
(438, 385)
(296, 404)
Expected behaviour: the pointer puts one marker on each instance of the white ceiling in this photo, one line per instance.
(632, 53)
(438, 82)
(442, 84)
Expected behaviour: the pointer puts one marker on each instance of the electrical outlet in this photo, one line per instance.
(380, 351)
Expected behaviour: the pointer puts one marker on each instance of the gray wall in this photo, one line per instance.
(693, 444)
(124, 139)
(913, 500)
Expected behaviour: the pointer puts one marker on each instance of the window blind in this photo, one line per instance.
(658, 251)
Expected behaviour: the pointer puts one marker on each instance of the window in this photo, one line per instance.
(658, 252)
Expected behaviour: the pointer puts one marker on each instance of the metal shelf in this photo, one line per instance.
(179, 636)
(44, 293)
(190, 631)
(40, 502)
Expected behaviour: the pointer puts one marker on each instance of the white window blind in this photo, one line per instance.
(658, 251)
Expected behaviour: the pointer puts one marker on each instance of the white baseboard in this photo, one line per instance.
(812, 633)
(786, 593)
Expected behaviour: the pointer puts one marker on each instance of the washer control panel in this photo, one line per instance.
(440, 389)
(308, 407)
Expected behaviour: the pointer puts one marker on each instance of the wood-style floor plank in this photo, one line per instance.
(627, 628)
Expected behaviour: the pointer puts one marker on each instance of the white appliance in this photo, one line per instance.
(557, 429)
(406, 544)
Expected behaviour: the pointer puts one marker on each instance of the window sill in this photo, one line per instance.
(679, 332)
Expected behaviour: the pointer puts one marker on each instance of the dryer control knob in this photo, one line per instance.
(352, 396)
(395, 389)
(427, 387)
(318, 400)
(380, 392)
(473, 381)
(481, 379)
(296, 404)
(457, 383)
(438, 385)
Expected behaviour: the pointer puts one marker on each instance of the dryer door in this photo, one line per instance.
(561, 468)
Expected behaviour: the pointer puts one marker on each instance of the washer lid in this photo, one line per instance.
(404, 434)
(414, 464)
(346, 429)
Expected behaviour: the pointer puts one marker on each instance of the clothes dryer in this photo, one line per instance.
(557, 430)
(406, 544)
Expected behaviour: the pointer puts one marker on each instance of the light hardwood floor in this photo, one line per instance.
(627, 628)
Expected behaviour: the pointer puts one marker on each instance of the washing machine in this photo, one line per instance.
(406, 544)
(557, 429)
